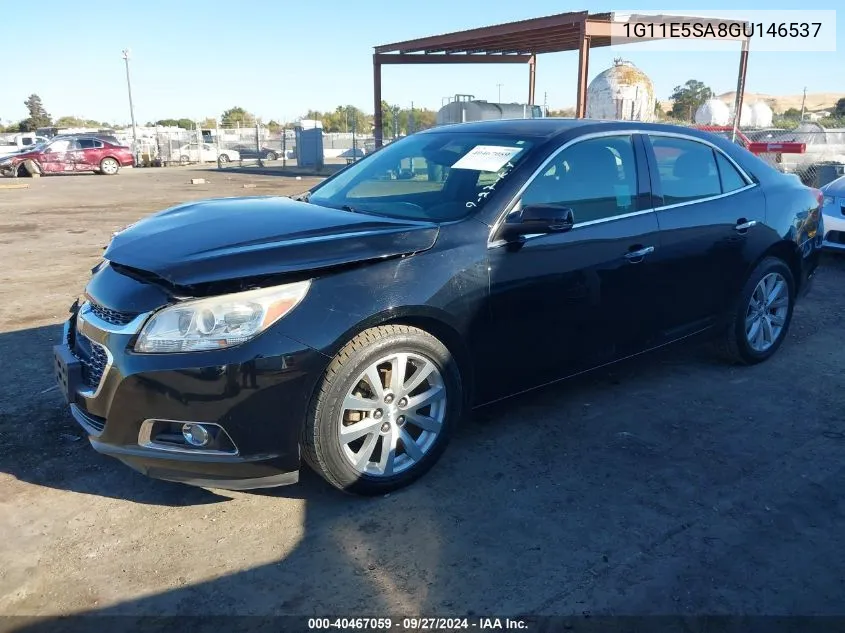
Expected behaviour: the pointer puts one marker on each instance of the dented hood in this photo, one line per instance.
(230, 238)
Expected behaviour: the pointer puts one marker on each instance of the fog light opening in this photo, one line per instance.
(196, 435)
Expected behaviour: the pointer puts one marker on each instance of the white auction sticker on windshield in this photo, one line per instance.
(486, 157)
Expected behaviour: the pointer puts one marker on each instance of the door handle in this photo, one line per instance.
(638, 255)
(744, 225)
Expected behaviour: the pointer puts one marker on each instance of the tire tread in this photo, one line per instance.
(311, 437)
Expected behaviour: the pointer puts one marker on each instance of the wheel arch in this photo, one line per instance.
(427, 319)
(789, 252)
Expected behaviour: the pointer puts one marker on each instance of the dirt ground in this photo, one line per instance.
(672, 484)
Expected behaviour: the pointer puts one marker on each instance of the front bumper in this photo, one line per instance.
(834, 225)
(130, 404)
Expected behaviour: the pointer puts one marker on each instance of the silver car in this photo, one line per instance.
(834, 214)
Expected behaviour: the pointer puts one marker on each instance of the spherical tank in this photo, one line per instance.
(623, 92)
(761, 115)
(744, 117)
(713, 112)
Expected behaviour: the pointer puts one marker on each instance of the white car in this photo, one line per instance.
(833, 214)
(188, 154)
(21, 143)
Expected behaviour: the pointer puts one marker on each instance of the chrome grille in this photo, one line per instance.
(115, 317)
(92, 356)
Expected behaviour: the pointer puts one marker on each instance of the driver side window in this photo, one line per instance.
(596, 178)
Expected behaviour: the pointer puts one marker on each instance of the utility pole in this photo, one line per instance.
(125, 53)
(500, 92)
(545, 104)
(803, 102)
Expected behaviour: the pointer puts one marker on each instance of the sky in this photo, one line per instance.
(280, 58)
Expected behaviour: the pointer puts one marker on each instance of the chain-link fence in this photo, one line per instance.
(813, 153)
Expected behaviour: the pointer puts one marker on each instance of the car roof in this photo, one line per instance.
(549, 127)
(76, 137)
(544, 127)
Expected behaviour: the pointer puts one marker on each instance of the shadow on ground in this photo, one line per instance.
(671, 484)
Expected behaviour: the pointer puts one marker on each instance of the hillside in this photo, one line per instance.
(815, 101)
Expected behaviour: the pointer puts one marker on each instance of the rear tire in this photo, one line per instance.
(109, 166)
(760, 318)
(271, 156)
(224, 158)
(365, 465)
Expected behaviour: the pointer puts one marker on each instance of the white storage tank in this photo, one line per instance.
(761, 115)
(466, 108)
(713, 112)
(744, 117)
(623, 92)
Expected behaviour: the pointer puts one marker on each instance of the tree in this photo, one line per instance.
(792, 113)
(566, 113)
(75, 121)
(686, 99)
(658, 111)
(38, 116)
(237, 116)
(839, 108)
(184, 123)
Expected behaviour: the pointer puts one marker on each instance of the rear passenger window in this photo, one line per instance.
(687, 170)
(86, 143)
(730, 177)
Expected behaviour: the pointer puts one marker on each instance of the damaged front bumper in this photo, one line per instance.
(135, 407)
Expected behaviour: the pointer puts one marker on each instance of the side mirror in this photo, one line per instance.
(539, 218)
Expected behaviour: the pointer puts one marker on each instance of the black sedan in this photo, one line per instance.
(252, 152)
(220, 341)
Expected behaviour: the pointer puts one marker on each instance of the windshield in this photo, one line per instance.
(437, 177)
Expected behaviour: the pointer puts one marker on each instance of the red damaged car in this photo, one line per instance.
(71, 154)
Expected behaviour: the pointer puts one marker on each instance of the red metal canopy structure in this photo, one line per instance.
(521, 42)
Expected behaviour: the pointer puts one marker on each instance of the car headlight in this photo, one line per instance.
(218, 322)
(828, 200)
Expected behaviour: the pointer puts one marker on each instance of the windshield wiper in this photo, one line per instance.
(301, 197)
(346, 207)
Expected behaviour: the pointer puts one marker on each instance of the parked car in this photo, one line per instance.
(189, 153)
(76, 154)
(354, 324)
(20, 143)
(266, 153)
(108, 138)
(834, 214)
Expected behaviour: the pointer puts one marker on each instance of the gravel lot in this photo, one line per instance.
(672, 484)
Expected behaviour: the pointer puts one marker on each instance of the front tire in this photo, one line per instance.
(109, 166)
(224, 158)
(384, 411)
(271, 156)
(760, 319)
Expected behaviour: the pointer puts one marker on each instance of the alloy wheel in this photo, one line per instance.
(767, 311)
(392, 415)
